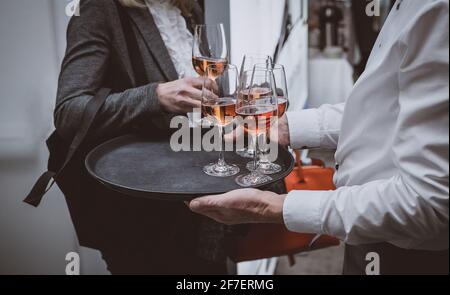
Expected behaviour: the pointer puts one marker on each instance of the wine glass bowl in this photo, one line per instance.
(201, 63)
(210, 48)
(283, 105)
(281, 90)
(220, 112)
(256, 110)
(250, 60)
(248, 63)
(279, 74)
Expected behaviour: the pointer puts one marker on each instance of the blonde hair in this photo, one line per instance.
(184, 5)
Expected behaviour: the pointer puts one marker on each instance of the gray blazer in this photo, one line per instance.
(96, 52)
(96, 57)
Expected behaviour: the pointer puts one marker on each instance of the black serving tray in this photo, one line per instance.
(136, 166)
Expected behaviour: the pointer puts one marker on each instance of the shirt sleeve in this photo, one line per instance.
(84, 72)
(316, 128)
(411, 208)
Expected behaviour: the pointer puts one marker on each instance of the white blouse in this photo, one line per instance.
(175, 34)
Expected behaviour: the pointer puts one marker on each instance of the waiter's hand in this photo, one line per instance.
(282, 128)
(241, 206)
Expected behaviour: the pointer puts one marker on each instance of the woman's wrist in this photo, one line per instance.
(160, 95)
(180, 96)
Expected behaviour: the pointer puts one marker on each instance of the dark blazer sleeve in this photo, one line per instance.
(83, 72)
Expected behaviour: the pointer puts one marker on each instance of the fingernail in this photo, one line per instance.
(195, 205)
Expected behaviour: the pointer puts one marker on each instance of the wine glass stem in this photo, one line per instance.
(222, 148)
(263, 151)
(251, 145)
(255, 153)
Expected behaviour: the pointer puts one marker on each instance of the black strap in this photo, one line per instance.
(89, 115)
(43, 184)
(41, 187)
(133, 47)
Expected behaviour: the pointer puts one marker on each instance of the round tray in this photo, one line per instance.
(139, 167)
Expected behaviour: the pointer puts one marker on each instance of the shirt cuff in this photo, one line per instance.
(304, 129)
(302, 211)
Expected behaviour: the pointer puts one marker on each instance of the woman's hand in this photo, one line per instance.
(180, 96)
(241, 206)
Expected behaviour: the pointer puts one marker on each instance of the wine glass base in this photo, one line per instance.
(221, 170)
(251, 180)
(266, 168)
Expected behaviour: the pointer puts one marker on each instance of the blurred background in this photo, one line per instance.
(323, 43)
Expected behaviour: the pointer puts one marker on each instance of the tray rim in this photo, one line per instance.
(189, 195)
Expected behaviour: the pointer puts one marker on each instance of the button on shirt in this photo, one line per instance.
(392, 140)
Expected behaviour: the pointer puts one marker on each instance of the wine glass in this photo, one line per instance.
(219, 107)
(257, 107)
(248, 63)
(279, 73)
(210, 48)
(250, 60)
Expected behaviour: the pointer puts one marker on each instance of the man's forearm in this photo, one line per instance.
(315, 128)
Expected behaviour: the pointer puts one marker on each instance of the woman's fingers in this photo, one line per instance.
(196, 82)
(212, 86)
(194, 93)
(183, 95)
(200, 82)
(192, 104)
(197, 94)
(209, 95)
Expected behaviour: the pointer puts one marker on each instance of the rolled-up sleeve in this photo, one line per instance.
(315, 128)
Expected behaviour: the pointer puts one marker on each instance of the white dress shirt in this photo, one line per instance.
(392, 140)
(175, 34)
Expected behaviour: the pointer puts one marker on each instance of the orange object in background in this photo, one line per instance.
(273, 240)
(313, 178)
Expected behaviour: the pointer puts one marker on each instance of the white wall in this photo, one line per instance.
(32, 241)
(255, 27)
(216, 12)
(28, 73)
